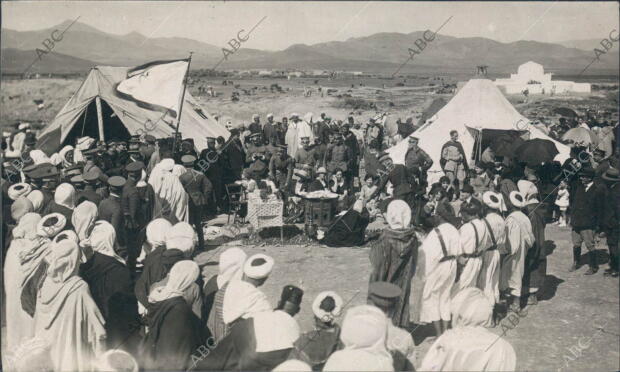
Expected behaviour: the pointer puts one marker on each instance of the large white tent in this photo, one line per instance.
(97, 110)
(479, 105)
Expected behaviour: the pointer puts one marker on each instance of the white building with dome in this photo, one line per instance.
(531, 77)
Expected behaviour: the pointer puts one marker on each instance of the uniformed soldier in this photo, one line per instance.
(199, 189)
(130, 202)
(210, 165)
(110, 210)
(91, 184)
(281, 169)
(78, 183)
(258, 157)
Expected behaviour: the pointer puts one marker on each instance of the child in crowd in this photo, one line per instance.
(367, 190)
(562, 202)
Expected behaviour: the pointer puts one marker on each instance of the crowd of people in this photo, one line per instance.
(99, 240)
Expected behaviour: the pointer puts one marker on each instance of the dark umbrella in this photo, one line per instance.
(536, 151)
(506, 145)
(565, 111)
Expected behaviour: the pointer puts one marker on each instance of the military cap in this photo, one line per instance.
(188, 159)
(210, 139)
(150, 139)
(44, 171)
(73, 170)
(117, 181)
(90, 176)
(30, 168)
(467, 188)
(134, 166)
(383, 293)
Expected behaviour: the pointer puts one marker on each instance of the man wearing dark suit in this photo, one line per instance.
(199, 189)
(130, 203)
(587, 202)
(110, 210)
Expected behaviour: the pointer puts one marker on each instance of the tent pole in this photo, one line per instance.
(176, 131)
(99, 118)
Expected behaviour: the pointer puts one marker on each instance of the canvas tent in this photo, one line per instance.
(478, 107)
(121, 117)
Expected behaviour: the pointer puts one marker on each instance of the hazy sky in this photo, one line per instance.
(290, 23)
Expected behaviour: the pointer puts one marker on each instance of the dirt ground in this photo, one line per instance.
(575, 326)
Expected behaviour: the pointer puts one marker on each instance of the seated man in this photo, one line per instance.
(320, 183)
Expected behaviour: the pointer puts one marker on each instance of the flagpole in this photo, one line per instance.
(176, 131)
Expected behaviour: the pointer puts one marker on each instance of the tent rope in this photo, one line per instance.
(84, 121)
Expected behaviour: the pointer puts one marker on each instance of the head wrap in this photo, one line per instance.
(398, 214)
(36, 197)
(19, 189)
(292, 365)
(20, 207)
(116, 360)
(65, 195)
(470, 307)
(258, 266)
(55, 159)
(47, 229)
(63, 261)
(156, 232)
(492, 200)
(178, 170)
(181, 276)
(364, 333)
(275, 330)
(243, 300)
(84, 143)
(39, 157)
(27, 226)
(166, 165)
(231, 266)
(103, 240)
(83, 218)
(327, 306)
(182, 237)
(63, 156)
(517, 199)
(529, 191)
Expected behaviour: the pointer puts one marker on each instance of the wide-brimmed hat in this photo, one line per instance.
(612, 174)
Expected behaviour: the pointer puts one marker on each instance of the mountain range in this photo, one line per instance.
(83, 46)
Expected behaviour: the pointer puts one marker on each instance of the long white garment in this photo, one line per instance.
(171, 200)
(439, 276)
(291, 139)
(243, 300)
(519, 238)
(488, 279)
(400, 340)
(474, 239)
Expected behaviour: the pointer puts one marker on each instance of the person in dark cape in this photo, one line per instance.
(111, 287)
(348, 230)
(258, 343)
(393, 257)
(453, 159)
(174, 331)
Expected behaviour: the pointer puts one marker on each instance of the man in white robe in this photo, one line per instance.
(475, 240)
(437, 256)
(519, 238)
(468, 346)
(488, 280)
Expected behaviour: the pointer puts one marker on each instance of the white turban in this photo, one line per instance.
(84, 143)
(19, 189)
(231, 265)
(166, 165)
(39, 157)
(398, 214)
(182, 237)
(529, 191)
(66, 234)
(117, 360)
(318, 306)
(492, 200)
(258, 266)
(51, 224)
(178, 170)
(20, 207)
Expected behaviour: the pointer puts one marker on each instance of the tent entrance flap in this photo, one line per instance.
(87, 125)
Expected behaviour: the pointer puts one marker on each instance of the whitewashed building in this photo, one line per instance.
(531, 77)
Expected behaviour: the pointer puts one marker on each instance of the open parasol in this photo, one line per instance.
(565, 111)
(536, 151)
(581, 136)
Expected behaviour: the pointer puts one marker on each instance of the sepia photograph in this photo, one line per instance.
(310, 186)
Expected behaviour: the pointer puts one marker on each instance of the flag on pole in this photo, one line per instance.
(157, 85)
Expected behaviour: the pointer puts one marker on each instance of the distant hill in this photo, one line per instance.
(381, 52)
(17, 61)
(586, 44)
